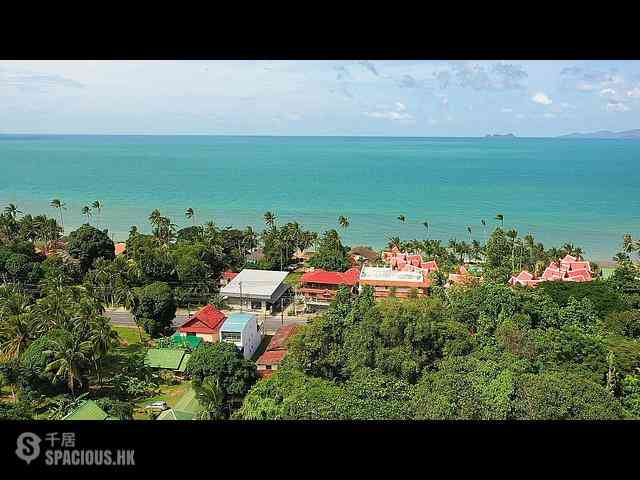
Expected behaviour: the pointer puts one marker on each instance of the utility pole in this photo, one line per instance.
(240, 284)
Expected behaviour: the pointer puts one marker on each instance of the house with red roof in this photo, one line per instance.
(319, 287)
(276, 350)
(568, 269)
(120, 248)
(205, 323)
(387, 282)
(463, 277)
(408, 262)
(227, 277)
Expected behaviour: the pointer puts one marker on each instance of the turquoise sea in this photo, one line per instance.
(584, 191)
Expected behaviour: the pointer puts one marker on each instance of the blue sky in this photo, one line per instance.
(400, 98)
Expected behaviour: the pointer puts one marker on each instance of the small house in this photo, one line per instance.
(205, 324)
(257, 290)
(241, 329)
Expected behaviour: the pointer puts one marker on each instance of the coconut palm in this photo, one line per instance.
(395, 242)
(70, 353)
(401, 218)
(270, 219)
(628, 244)
(484, 229)
(16, 332)
(103, 337)
(621, 257)
(211, 398)
(344, 222)
(12, 210)
(500, 218)
(469, 231)
(56, 203)
(98, 207)
(86, 210)
(189, 213)
(154, 218)
(425, 224)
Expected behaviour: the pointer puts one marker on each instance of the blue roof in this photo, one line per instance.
(236, 322)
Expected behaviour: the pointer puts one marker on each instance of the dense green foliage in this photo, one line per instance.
(155, 308)
(331, 255)
(87, 244)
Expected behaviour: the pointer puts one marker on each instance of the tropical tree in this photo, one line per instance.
(500, 218)
(16, 332)
(402, 218)
(190, 214)
(425, 224)
(270, 219)
(86, 211)
(70, 353)
(212, 399)
(102, 338)
(344, 222)
(56, 203)
(469, 231)
(484, 229)
(12, 210)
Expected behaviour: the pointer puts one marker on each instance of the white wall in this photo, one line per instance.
(251, 338)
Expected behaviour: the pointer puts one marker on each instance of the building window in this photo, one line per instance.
(230, 336)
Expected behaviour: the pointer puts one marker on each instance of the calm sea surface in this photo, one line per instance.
(584, 191)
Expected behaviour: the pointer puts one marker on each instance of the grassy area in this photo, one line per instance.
(293, 278)
(130, 335)
(169, 393)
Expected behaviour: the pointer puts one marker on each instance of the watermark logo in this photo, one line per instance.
(28, 447)
(60, 449)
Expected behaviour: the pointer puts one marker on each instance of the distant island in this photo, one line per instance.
(605, 134)
(498, 135)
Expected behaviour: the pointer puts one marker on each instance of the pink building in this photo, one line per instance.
(408, 262)
(569, 269)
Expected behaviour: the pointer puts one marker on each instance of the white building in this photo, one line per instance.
(255, 289)
(241, 329)
(387, 282)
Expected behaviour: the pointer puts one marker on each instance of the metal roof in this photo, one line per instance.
(236, 322)
(87, 410)
(167, 358)
(260, 284)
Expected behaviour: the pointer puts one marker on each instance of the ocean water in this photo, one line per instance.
(583, 191)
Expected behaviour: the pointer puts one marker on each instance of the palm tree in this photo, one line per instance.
(401, 218)
(500, 218)
(484, 229)
(395, 242)
(103, 337)
(469, 230)
(56, 203)
(425, 224)
(344, 222)
(154, 218)
(628, 244)
(189, 213)
(270, 219)
(70, 356)
(513, 234)
(621, 257)
(211, 398)
(86, 210)
(98, 206)
(16, 332)
(12, 210)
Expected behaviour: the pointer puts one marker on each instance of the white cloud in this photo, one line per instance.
(506, 110)
(607, 92)
(399, 113)
(542, 98)
(634, 93)
(615, 106)
(585, 87)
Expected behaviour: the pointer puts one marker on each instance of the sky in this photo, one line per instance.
(359, 97)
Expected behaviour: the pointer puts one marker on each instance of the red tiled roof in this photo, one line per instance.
(229, 275)
(350, 277)
(271, 357)
(120, 248)
(278, 341)
(205, 320)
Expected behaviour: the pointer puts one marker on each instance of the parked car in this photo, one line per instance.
(162, 406)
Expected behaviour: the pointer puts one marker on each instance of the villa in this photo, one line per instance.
(388, 282)
(569, 269)
(319, 287)
(205, 324)
(255, 289)
(408, 262)
(463, 277)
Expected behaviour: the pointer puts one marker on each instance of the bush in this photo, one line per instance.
(625, 323)
(604, 298)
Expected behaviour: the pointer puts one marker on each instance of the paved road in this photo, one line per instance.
(271, 323)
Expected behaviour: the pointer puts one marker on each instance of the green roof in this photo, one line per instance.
(167, 358)
(183, 364)
(87, 410)
(189, 402)
(173, 414)
(190, 340)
